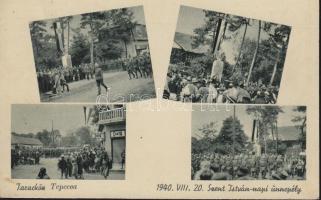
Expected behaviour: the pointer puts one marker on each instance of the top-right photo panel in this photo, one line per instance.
(224, 58)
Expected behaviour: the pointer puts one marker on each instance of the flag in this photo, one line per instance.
(89, 114)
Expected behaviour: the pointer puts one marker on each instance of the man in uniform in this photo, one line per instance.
(99, 78)
(62, 165)
(129, 68)
(263, 166)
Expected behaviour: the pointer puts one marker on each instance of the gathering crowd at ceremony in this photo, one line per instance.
(57, 79)
(72, 162)
(247, 166)
(216, 88)
(181, 87)
(25, 156)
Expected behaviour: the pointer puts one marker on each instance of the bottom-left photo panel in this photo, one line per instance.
(68, 141)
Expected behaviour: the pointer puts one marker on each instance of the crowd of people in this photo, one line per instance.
(139, 66)
(90, 160)
(182, 87)
(247, 166)
(216, 87)
(57, 79)
(25, 156)
(72, 162)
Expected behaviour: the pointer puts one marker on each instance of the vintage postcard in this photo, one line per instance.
(93, 92)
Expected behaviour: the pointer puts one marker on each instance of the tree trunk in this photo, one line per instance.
(255, 53)
(68, 37)
(241, 47)
(126, 51)
(215, 34)
(275, 67)
(272, 131)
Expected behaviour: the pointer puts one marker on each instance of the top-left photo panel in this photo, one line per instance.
(98, 57)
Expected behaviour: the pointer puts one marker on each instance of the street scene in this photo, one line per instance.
(85, 57)
(249, 143)
(223, 58)
(68, 142)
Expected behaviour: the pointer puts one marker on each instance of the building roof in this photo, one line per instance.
(139, 32)
(25, 140)
(288, 133)
(184, 41)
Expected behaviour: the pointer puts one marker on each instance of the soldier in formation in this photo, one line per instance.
(248, 166)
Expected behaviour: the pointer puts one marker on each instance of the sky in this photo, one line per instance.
(190, 18)
(32, 118)
(138, 15)
(220, 113)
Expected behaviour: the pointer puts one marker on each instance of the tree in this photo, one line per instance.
(108, 50)
(37, 32)
(44, 48)
(83, 134)
(267, 117)
(255, 53)
(232, 137)
(301, 118)
(207, 34)
(79, 49)
(110, 25)
(69, 140)
(280, 39)
(123, 24)
(244, 22)
(44, 137)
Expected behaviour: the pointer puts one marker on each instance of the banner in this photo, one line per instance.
(59, 37)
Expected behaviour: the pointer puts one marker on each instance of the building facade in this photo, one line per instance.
(19, 141)
(112, 133)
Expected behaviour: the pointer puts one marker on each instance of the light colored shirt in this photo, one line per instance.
(217, 69)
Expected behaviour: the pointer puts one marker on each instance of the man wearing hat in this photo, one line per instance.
(189, 92)
(202, 92)
(99, 78)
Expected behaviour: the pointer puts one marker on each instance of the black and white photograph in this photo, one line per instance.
(85, 142)
(248, 142)
(224, 58)
(93, 56)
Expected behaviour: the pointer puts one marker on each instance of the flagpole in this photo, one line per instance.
(85, 115)
(233, 149)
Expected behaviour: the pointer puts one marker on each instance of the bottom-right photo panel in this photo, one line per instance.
(248, 142)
